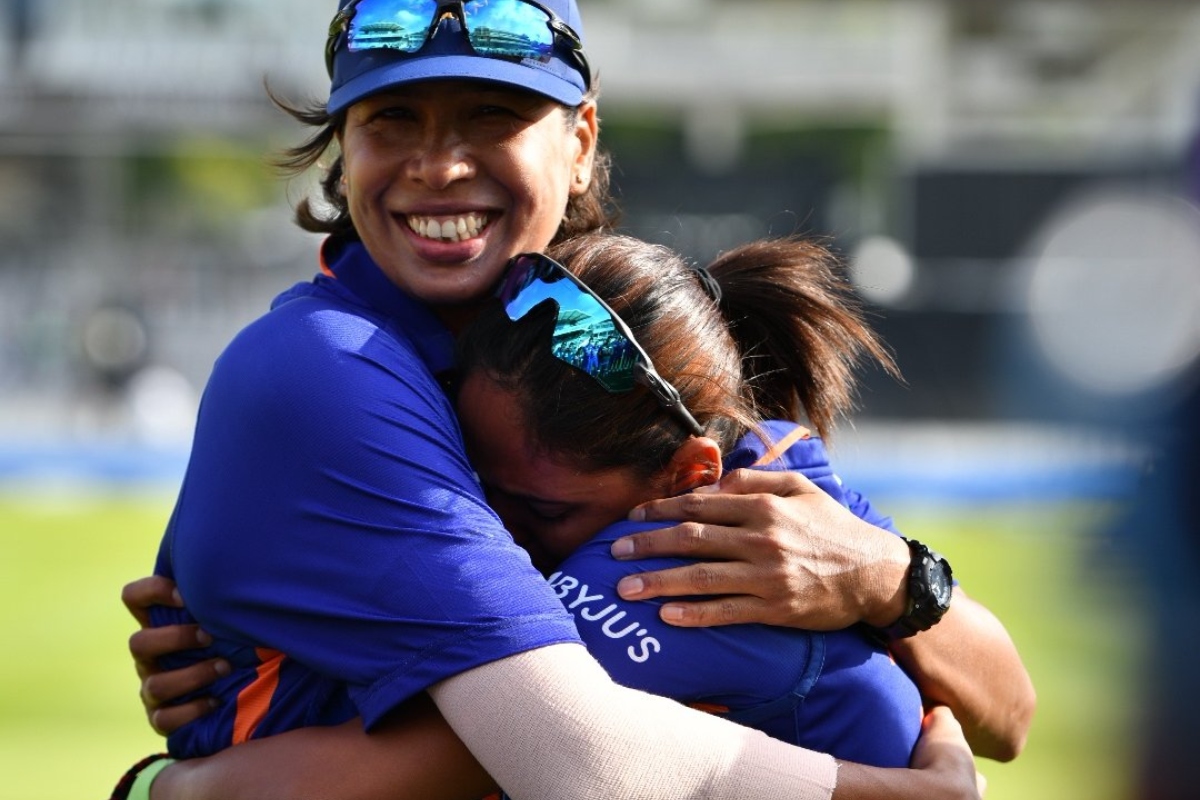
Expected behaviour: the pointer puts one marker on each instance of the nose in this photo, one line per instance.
(442, 159)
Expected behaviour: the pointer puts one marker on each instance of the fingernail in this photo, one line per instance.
(621, 548)
(222, 667)
(637, 514)
(203, 637)
(630, 587)
(671, 613)
(177, 597)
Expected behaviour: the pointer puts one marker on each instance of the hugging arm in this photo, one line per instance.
(786, 553)
(559, 711)
(415, 754)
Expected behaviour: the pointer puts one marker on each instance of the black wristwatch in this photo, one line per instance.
(930, 585)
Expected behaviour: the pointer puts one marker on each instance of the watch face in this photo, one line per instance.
(939, 582)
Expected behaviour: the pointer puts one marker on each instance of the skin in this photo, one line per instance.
(444, 150)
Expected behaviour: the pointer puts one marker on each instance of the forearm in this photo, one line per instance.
(570, 732)
(414, 757)
(969, 663)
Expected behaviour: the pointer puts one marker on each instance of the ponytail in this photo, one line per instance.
(800, 328)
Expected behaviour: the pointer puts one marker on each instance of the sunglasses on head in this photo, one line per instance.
(588, 335)
(512, 29)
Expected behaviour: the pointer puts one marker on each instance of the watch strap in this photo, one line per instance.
(924, 608)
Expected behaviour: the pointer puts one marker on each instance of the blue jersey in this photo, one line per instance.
(838, 693)
(329, 513)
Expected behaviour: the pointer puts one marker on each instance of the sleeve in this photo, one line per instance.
(864, 708)
(862, 508)
(591, 738)
(750, 673)
(329, 512)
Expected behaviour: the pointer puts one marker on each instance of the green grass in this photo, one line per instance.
(70, 720)
(1042, 570)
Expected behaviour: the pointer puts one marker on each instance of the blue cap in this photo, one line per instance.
(449, 56)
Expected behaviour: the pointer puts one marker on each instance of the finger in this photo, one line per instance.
(688, 540)
(139, 595)
(712, 509)
(940, 723)
(170, 719)
(758, 481)
(731, 610)
(147, 644)
(704, 578)
(161, 688)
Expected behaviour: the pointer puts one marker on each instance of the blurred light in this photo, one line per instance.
(164, 406)
(114, 340)
(1114, 291)
(882, 270)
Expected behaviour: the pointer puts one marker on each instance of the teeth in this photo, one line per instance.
(452, 229)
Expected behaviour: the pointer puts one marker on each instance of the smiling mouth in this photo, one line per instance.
(448, 229)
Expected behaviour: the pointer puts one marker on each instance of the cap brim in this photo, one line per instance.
(531, 77)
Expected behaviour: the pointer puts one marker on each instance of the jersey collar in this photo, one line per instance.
(348, 270)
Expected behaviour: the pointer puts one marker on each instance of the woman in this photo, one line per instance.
(454, 160)
(564, 441)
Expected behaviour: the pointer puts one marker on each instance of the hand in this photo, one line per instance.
(786, 554)
(943, 750)
(160, 687)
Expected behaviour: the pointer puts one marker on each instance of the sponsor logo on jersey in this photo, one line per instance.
(594, 609)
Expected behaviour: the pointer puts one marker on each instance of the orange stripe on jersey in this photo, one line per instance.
(779, 448)
(325, 267)
(254, 701)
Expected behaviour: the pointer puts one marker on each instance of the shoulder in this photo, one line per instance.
(315, 351)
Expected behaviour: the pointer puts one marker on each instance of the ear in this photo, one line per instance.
(587, 135)
(697, 462)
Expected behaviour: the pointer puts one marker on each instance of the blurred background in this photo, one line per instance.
(1013, 185)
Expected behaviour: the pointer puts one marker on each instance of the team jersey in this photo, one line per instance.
(839, 692)
(329, 532)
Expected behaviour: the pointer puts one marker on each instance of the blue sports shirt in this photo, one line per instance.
(838, 692)
(328, 512)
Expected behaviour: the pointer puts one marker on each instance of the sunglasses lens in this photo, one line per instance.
(508, 29)
(392, 24)
(496, 28)
(585, 336)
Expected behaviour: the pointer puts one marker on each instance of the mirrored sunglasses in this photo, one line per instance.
(588, 335)
(510, 29)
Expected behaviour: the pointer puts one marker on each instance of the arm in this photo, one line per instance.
(347, 764)
(414, 755)
(788, 554)
(969, 663)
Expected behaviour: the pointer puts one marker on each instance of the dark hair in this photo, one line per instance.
(783, 341)
(592, 211)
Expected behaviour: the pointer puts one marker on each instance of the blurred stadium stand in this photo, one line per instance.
(132, 135)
